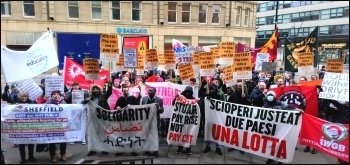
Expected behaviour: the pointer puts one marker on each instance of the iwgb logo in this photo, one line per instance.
(335, 133)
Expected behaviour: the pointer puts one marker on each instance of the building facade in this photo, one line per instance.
(297, 19)
(191, 22)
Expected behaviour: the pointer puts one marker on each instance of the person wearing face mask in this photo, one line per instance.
(152, 98)
(56, 99)
(213, 94)
(273, 103)
(188, 93)
(100, 98)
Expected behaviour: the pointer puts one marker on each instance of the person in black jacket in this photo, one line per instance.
(10, 96)
(258, 94)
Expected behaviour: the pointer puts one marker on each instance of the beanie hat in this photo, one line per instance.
(273, 93)
(55, 91)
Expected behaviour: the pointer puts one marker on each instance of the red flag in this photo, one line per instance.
(302, 97)
(310, 83)
(329, 138)
(270, 47)
(152, 79)
(73, 72)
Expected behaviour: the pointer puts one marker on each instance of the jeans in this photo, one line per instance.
(208, 144)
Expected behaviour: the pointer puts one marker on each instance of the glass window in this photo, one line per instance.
(96, 9)
(346, 12)
(287, 4)
(28, 38)
(268, 33)
(247, 17)
(203, 8)
(334, 29)
(324, 30)
(325, 14)
(283, 32)
(295, 17)
(296, 3)
(172, 11)
(5, 8)
(28, 8)
(345, 29)
(136, 10)
(10, 38)
(336, 13)
(19, 38)
(260, 34)
(73, 9)
(262, 7)
(315, 15)
(293, 32)
(238, 16)
(271, 5)
(115, 10)
(186, 12)
(286, 18)
(37, 35)
(216, 14)
(315, 2)
(261, 21)
(270, 20)
(279, 18)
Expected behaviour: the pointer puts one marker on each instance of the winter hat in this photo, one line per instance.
(273, 93)
(14, 85)
(55, 91)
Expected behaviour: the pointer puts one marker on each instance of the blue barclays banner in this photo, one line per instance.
(130, 30)
(77, 47)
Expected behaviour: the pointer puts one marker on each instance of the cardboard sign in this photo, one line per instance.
(335, 65)
(77, 96)
(130, 58)
(242, 66)
(140, 70)
(186, 72)
(226, 59)
(161, 61)
(206, 64)
(120, 64)
(53, 83)
(169, 57)
(335, 86)
(151, 59)
(269, 67)
(305, 61)
(196, 55)
(92, 69)
(33, 89)
(260, 58)
(109, 50)
(228, 73)
(215, 51)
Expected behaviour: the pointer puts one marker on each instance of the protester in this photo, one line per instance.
(116, 83)
(258, 94)
(322, 72)
(152, 98)
(188, 93)
(56, 99)
(213, 94)
(10, 96)
(98, 97)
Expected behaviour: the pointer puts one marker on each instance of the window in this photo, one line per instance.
(246, 17)
(203, 8)
(238, 16)
(302, 32)
(270, 20)
(295, 17)
(172, 11)
(293, 32)
(268, 33)
(96, 9)
(271, 5)
(287, 4)
(325, 14)
(286, 18)
(115, 10)
(345, 29)
(279, 18)
(296, 3)
(260, 34)
(261, 21)
(6, 8)
(186, 13)
(337, 13)
(315, 2)
(346, 12)
(304, 3)
(261, 7)
(334, 29)
(315, 15)
(28, 8)
(136, 10)
(216, 14)
(22, 38)
(284, 32)
(324, 30)
(73, 9)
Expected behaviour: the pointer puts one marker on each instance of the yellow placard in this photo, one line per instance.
(120, 63)
(109, 44)
(215, 51)
(91, 68)
(161, 59)
(228, 72)
(242, 62)
(227, 48)
(206, 60)
(335, 65)
(169, 57)
(306, 59)
(151, 55)
(186, 71)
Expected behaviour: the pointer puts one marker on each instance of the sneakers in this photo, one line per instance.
(269, 161)
(188, 151)
(230, 149)
(307, 149)
(314, 151)
(207, 149)
(91, 153)
(218, 150)
(156, 154)
(242, 152)
(179, 150)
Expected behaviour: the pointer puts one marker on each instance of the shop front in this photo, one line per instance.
(333, 51)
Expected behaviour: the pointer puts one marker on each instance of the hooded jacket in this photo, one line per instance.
(102, 97)
(257, 97)
(187, 89)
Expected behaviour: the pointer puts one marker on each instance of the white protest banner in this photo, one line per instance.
(269, 133)
(132, 129)
(184, 123)
(32, 88)
(40, 57)
(269, 67)
(130, 58)
(53, 83)
(260, 58)
(183, 53)
(335, 86)
(117, 92)
(167, 91)
(78, 96)
(42, 123)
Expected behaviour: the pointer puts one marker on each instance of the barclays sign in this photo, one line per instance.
(128, 30)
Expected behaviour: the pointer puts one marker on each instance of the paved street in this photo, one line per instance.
(78, 151)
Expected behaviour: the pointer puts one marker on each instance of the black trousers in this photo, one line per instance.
(52, 148)
(22, 150)
(181, 147)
